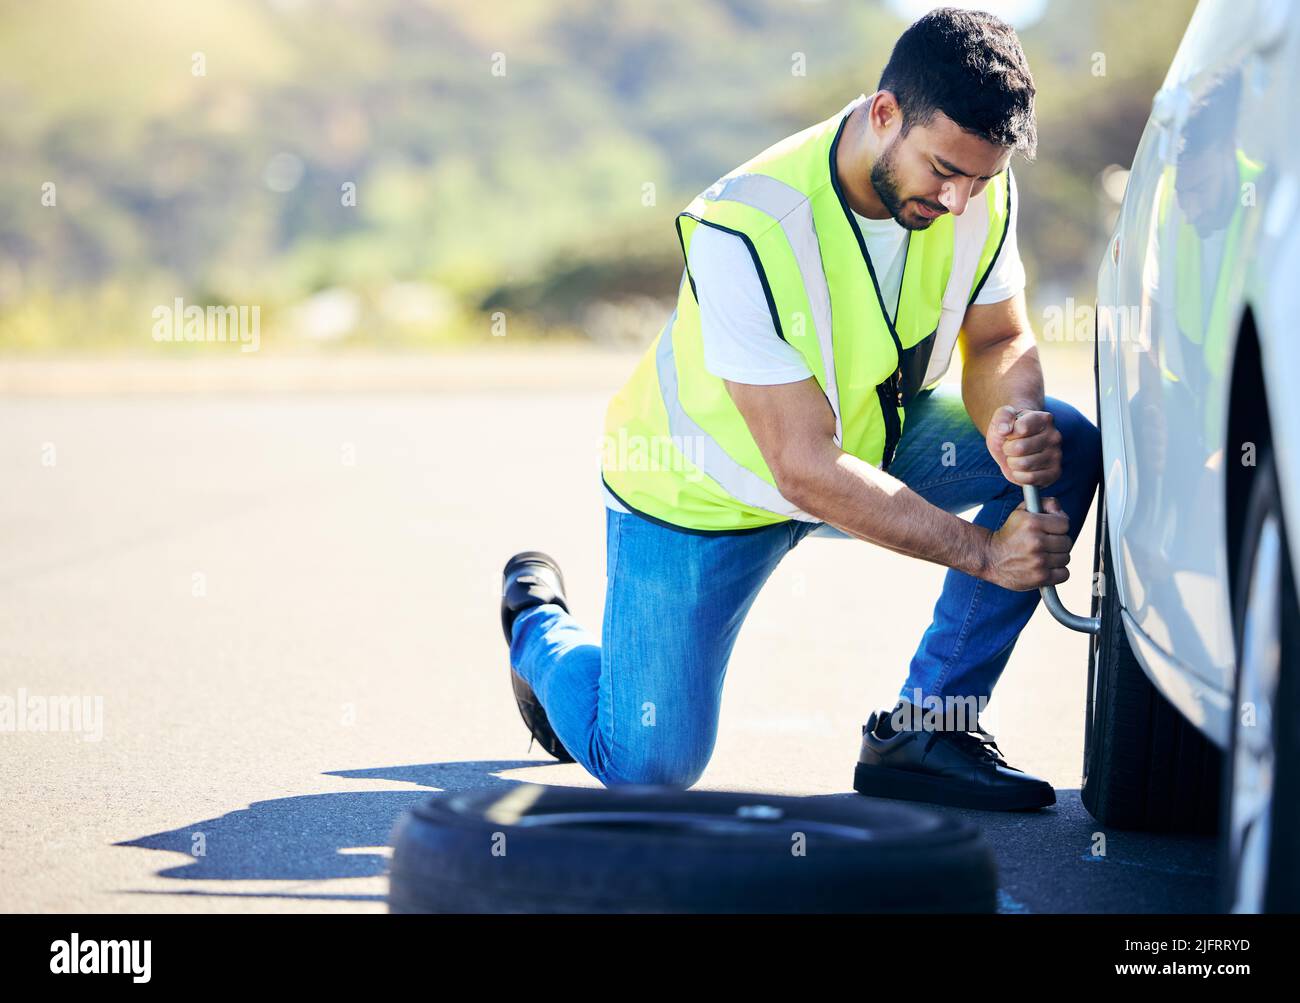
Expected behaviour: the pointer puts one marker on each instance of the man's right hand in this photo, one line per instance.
(1030, 550)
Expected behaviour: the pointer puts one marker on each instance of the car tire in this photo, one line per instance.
(1145, 766)
(1261, 796)
(665, 850)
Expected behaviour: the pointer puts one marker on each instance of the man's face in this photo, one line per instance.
(935, 169)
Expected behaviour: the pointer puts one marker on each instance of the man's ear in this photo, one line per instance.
(885, 112)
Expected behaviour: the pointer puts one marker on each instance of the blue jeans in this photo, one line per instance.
(643, 707)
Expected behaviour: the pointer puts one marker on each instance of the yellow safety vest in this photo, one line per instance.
(676, 448)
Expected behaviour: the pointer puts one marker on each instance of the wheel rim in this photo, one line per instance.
(1253, 766)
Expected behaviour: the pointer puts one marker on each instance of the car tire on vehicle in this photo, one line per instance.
(1145, 766)
(1261, 796)
(657, 849)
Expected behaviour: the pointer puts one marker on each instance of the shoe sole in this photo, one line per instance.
(534, 557)
(520, 559)
(909, 785)
(523, 693)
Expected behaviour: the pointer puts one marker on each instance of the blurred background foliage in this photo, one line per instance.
(543, 192)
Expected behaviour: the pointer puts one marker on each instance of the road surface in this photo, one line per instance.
(285, 605)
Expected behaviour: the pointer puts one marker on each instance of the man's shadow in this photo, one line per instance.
(307, 838)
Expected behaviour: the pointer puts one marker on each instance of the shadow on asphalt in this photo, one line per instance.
(1046, 859)
(1047, 864)
(313, 837)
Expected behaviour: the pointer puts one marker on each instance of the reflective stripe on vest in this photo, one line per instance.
(791, 208)
(968, 246)
(739, 481)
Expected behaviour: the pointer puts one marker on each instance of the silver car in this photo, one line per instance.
(1193, 719)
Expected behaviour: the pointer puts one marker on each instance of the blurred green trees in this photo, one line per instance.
(399, 173)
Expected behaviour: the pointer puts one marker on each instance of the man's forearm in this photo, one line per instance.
(1004, 373)
(868, 503)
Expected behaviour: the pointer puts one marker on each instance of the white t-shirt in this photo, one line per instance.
(740, 341)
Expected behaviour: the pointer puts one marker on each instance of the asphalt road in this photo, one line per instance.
(286, 606)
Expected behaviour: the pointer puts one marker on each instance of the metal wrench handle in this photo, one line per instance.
(1086, 624)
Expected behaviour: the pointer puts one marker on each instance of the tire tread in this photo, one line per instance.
(1146, 766)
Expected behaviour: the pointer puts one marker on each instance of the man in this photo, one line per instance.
(827, 282)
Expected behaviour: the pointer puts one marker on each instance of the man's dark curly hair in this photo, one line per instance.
(968, 65)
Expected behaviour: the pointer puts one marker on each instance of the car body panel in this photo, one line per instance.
(1205, 232)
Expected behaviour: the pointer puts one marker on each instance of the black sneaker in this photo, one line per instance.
(961, 768)
(532, 578)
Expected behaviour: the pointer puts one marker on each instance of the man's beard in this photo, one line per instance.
(885, 182)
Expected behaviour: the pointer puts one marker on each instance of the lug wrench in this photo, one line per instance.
(1086, 624)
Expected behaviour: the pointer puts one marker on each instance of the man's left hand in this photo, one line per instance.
(1026, 445)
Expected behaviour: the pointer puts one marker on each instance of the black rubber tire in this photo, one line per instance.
(1282, 891)
(1145, 766)
(737, 856)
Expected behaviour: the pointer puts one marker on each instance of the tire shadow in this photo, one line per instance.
(1060, 859)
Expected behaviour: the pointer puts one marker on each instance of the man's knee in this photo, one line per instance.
(656, 765)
